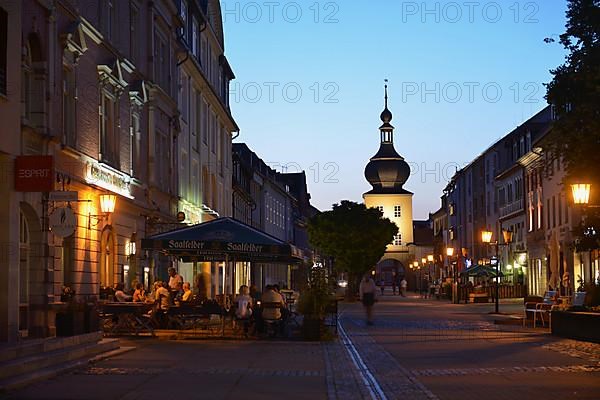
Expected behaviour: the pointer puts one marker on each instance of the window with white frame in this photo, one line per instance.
(195, 39)
(109, 20)
(108, 127)
(184, 179)
(397, 211)
(195, 181)
(134, 140)
(68, 105)
(205, 123)
(204, 51)
(197, 118)
(161, 60)
(185, 96)
(398, 239)
(213, 132)
(183, 14)
(3, 48)
(380, 208)
(163, 163)
(134, 32)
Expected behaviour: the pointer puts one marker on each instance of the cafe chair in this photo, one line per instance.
(540, 309)
(272, 326)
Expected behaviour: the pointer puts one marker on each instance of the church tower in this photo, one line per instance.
(387, 172)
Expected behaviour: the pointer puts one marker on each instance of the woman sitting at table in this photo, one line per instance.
(139, 295)
(243, 310)
(120, 295)
(163, 296)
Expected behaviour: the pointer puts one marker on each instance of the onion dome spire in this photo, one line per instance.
(387, 171)
(386, 115)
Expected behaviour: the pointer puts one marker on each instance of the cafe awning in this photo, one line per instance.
(223, 239)
(481, 270)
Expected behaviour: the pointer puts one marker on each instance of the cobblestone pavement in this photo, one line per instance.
(427, 349)
(164, 369)
(587, 351)
(417, 350)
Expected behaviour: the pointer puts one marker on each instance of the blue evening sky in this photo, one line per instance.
(309, 83)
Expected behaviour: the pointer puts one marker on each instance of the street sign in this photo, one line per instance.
(62, 222)
(63, 196)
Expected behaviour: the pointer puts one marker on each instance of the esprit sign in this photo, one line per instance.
(34, 174)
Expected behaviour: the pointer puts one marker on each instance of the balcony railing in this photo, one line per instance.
(511, 208)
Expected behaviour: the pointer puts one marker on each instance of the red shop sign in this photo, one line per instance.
(34, 174)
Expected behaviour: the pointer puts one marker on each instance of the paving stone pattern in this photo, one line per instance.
(396, 381)
(502, 371)
(583, 350)
(192, 371)
(343, 379)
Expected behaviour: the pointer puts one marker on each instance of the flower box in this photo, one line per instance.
(576, 325)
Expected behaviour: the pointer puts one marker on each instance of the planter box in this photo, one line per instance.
(576, 325)
(478, 298)
(312, 329)
(70, 323)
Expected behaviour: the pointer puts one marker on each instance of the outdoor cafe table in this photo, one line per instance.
(127, 317)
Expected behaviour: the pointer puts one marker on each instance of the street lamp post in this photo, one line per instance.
(417, 276)
(431, 279)
(449, 254)
(486, 237)
(581, 197)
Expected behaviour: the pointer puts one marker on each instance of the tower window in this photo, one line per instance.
(398, 239)
(380, 208)
(397, 211)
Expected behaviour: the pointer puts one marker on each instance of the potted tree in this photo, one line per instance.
(71, 321)
(313, 303)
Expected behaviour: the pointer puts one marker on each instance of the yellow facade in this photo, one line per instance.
(389, 202)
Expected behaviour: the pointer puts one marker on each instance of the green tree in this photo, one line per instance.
(575, 94)
(354, 235)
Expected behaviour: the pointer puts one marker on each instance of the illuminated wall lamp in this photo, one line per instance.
(107, 207)
(581, 193)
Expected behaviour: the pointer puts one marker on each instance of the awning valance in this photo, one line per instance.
(223, 239)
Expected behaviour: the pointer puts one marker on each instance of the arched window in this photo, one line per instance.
(26, 73)
(24, 247)
(107, 258)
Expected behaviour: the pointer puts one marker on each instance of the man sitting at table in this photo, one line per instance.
(187, 292)
(120, 295)
(271, 296)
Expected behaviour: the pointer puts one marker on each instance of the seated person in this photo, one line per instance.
(120, 295)
(139, 296)
(163, 296)
(271, 296)
(187, 292)
(243, 303)
(284, 310)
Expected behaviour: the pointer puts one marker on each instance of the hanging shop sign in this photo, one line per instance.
(34, 173)
(63, 195)
(62, 222)
(108, 178)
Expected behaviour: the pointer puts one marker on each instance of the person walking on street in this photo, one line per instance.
(368, 291)
(403, 285)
